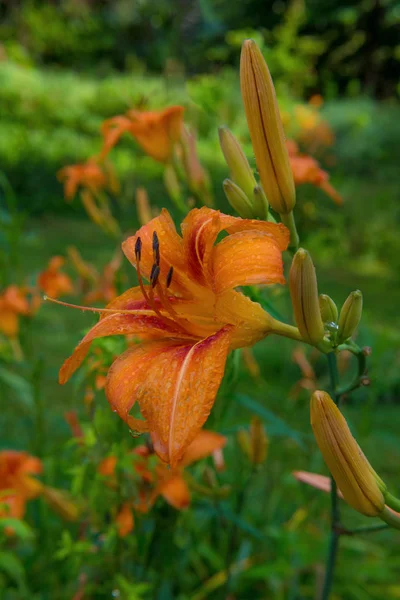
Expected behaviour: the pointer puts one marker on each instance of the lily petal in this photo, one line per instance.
(175, 386)
(176, 492)
(235, 224)
(251, 322)
(247, 258)
(171, 252)
(112, 129)
(203, 445)
(144, 326)
(157, 132)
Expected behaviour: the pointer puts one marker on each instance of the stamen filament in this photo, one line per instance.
(114, 311)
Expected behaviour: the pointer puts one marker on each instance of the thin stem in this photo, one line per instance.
(290, 223)
(335, 513)
(367, 529)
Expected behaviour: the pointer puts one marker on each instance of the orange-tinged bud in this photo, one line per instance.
(243, 439)
(266, 130)
(305, 301)
(61, 503)
(360, 485)
(350, 316)
(237, 162)
(238, 199)
(328, 308)
(258, 441)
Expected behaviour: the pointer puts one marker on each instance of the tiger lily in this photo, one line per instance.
(17, 486)
(13, 302)
(90, 176)
(188, 318)
(155, 131)
(52, 281)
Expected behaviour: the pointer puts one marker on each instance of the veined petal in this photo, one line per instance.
(175, 386)
(247, 258)
(204, 444)
(144, 326)
(200, 230)
(280, 233)
(251, 322)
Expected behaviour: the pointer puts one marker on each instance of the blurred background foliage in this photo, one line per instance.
(65, 66)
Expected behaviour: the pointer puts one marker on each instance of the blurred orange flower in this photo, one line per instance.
(17, 485)
(13, 303)
(89, 176)
(158, 479)
(125, 520)
(307, 170)
(188, 319)
(52, 281)
(155, 131)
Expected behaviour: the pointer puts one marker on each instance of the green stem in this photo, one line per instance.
(367, 529)
(335, 514)
(361, 368)
(289, 222)
(392, 501)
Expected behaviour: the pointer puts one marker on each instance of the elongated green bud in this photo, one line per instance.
(260, 208)
(266, 130)
(359, 483)
(329, 311)
(238, 199)
(304, 294)
(239, 167)
(350, 316)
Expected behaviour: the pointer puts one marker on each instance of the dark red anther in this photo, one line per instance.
(169, 276)
(155, 271)
(156, 248)
(138, 249)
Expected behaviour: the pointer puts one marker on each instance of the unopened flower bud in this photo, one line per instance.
(260, 209)
(305, 301)
(258, 441)
(350, 316)
(329, 311)
(238, 199)
(172, 184)
(237, 162)
(266, 130)
(360, 485)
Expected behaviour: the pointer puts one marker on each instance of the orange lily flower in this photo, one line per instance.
(155, 131)
(17, 485)
(13, 303)
(90, 176)
(125, 520)
(52, 281)
(188, 318)
(159, 479)
(307, 170)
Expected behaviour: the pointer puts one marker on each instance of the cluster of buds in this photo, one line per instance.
(268, 139)
(317, 316)
(360, 485)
